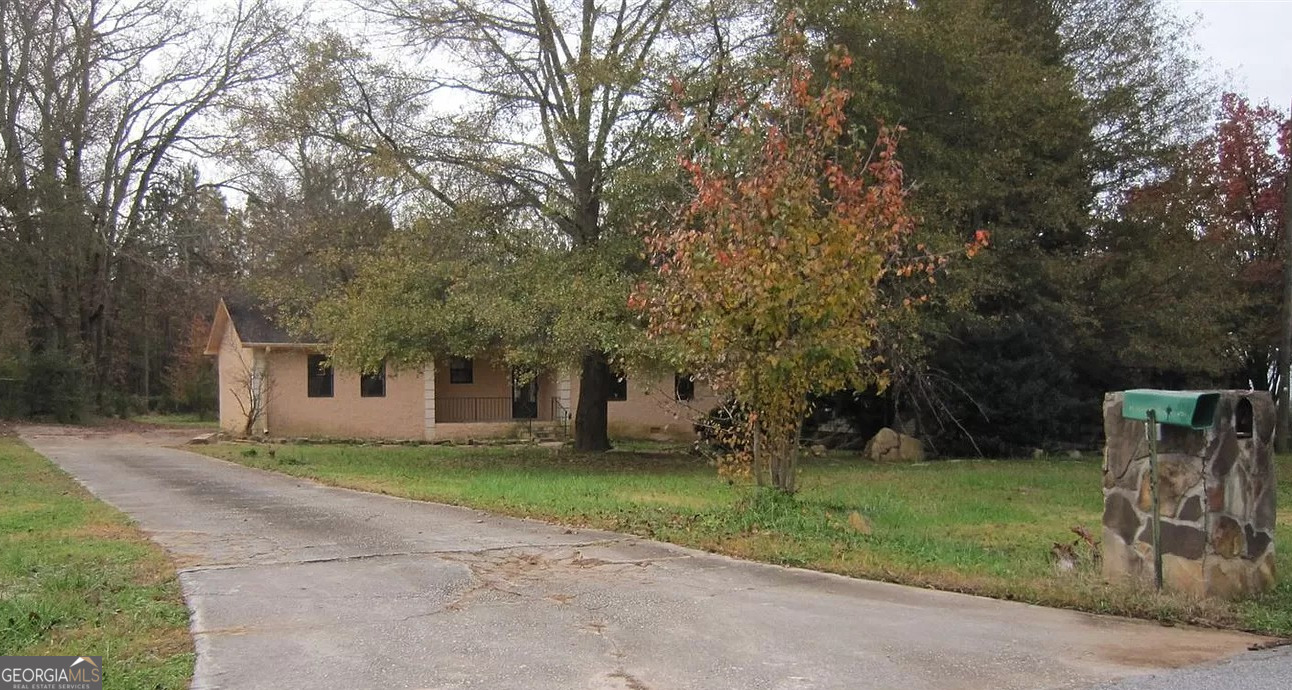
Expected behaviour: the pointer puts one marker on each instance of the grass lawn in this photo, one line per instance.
(77, 579)
(178, 420)
(985, 527)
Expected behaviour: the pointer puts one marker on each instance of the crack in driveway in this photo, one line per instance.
(400, 554)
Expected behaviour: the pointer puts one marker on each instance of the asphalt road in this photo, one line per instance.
(1270, 669)
(294, 584)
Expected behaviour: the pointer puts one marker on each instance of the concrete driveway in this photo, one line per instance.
(294, 584)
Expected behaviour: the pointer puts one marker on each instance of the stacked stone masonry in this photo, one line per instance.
(1217, 499)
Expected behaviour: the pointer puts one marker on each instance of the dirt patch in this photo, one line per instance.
(533, 566)
(1151, 656)
(164, 642)
(115, 431)
(114, 425)
(1168, 652)
(156, 570)
(517, 574)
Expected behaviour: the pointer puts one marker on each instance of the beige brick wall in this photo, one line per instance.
(398, 415)
(232, 362)
(652, 409)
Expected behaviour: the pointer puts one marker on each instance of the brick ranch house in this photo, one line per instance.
(261, 366)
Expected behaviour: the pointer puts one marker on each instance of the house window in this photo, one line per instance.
(684, 387)
(461, 370)
(373, 385)
(319, 377)
(618, 386)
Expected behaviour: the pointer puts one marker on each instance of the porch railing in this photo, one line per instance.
(464, 410)
(560, 415)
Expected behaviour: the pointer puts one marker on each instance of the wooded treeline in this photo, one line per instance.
(459, 175)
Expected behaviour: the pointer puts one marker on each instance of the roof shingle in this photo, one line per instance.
(254, 325)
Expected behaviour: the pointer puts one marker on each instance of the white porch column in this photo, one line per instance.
(428, 402)
(563, 393)
(260, 383)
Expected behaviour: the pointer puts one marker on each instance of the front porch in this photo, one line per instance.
(459, 419)
(483, 398)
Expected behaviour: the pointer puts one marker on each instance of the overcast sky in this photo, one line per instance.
(1249, 43)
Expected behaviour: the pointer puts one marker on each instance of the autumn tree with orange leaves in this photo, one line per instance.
(767, 280)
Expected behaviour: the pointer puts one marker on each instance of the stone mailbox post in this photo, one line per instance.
(1217, 499)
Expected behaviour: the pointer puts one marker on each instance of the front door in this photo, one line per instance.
(524, 397)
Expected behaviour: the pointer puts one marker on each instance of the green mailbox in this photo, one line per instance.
(1192, 409)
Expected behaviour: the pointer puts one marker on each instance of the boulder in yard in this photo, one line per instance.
(911, 450)
(883, 443)
(890, 446)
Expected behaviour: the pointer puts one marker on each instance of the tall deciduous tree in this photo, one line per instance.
(469, 283)
(538, 110)
(1248, 171)
(315, 205)
(98, 101)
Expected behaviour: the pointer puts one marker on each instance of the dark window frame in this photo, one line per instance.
(683, 387)
(373, 385)
(319, 377)
(617, 387)
(461, 370)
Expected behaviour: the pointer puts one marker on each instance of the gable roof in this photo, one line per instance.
(251, 323)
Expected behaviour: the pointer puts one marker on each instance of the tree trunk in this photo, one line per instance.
(1283, 421)
(148, 368)
(590, 432)
(783, 461)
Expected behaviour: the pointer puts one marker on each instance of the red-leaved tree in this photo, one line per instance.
(1252, 166)
(1231, 190)
(1251, 163)
(1248, 172)
(767, 281)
